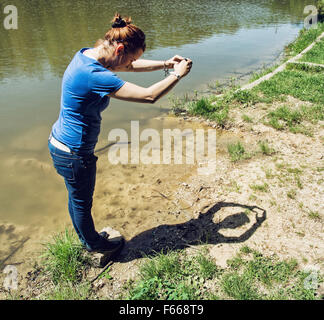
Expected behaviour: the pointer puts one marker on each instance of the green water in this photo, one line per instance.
(223, 38)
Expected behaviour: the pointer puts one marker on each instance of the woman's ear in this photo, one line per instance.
(119, 49)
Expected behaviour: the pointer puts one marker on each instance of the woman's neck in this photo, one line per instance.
(92, 53)
(96, 53)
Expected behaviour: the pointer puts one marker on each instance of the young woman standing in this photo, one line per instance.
(88, 84)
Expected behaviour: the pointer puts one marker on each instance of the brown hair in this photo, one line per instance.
(123, 31)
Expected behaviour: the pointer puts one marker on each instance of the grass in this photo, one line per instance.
(247, 119)
(173, 276)
(260, 187)
(265, 149)
(179, 275)
(205, 107)
(237, 152)
(249, 276)
(304, 39)
(297, 83)
(285, 118)
(64, 260)
(68, 291)
(314, 215)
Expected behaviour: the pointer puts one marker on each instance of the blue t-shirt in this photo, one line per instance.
(86, 84)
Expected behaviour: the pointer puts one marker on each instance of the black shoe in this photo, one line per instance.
(112, 247)
(109, 247)
(103, 234)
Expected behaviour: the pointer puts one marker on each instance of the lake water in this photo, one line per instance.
(223, 38)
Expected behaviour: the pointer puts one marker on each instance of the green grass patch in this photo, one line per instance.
(304, 39)
(299, 84)
(245, 97)
(265, 278)
(64, 260)
(316, 54)
(173, 276)
(285, 118)
(249, 276)
(205, 107)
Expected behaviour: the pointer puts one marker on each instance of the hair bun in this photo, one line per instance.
(119, 22)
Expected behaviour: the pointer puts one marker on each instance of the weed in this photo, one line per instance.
(106, 275)
(269, 174)
(239, 287)
(265, 149)
(260, 187)
(237, 152)
(247, 118)
(292, 194)
(174, 276)
(246, 250)
(205, 107)
(245, 97)
(314, 215)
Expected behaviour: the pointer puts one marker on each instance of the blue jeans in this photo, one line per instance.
(79, 173)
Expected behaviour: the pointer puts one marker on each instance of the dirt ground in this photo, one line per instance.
(172, 206)
(226, 211)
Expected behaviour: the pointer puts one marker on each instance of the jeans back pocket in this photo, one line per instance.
(64, 169)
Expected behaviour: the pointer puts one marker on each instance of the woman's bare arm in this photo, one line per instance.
(133, 93)
(143, 65)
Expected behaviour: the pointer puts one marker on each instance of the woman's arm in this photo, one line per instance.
(142, 65)
(133, 93)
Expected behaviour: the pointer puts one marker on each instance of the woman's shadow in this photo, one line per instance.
(193, 232)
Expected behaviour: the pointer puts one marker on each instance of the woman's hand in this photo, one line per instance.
(183, 67)
(171, 62)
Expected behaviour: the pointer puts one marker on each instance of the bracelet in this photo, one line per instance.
(166, 70)
(175, 74)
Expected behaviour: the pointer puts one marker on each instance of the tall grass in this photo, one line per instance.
(64, 260)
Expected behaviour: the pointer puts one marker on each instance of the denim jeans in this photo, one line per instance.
(79, 173)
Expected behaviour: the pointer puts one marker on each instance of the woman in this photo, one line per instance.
(87, 86)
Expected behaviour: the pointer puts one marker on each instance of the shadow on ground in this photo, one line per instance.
(202, 230)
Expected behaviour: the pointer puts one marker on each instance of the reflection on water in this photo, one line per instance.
(222, 38)
(51, 31)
